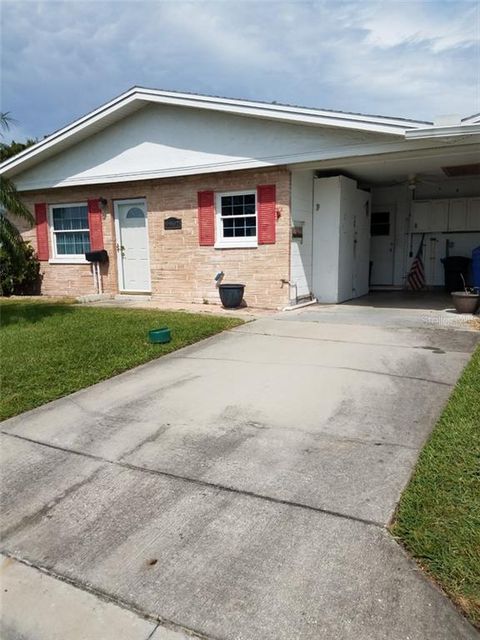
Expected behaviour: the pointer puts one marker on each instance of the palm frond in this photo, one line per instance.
(10, 238)
(10, 201)
(6, 120)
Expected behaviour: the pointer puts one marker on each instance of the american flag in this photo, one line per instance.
(416, 275)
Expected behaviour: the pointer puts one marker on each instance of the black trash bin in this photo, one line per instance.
(231, 295)
(455, 267)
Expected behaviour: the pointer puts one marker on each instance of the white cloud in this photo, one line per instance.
(212, 30)
(441, 25)
(416, 59)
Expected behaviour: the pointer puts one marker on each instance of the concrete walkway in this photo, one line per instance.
(236, 490)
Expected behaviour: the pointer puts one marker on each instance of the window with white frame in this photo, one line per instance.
(70, 232)
(236, 216)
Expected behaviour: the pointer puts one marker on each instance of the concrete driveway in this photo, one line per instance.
(236, 490)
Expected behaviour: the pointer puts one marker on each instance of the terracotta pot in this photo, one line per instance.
(465, 302)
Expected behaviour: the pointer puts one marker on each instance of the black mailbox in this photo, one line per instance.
(96, 256)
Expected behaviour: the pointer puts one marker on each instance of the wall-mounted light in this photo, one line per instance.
(103, 202)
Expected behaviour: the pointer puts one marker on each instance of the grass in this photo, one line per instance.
(51, 349)
(438, 518)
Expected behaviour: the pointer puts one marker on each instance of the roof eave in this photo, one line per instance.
(65, 132)
(443, 132)
(276, 110)
(283, 113)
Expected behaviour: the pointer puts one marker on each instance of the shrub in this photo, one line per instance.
(19, 271)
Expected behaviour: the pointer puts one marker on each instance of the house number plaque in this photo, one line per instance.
(172, 223)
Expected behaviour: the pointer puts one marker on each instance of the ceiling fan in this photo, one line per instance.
(413, 180)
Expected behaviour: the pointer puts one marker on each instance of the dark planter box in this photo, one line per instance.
(231, 295)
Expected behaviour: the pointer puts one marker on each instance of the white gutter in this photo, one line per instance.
(443, 132)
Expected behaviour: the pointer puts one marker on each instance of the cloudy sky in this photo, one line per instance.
(412, 59)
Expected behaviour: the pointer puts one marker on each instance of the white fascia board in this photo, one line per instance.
(443, 132)
(240, 107)
(300, 115)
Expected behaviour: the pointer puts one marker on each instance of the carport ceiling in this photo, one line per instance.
(383, 170)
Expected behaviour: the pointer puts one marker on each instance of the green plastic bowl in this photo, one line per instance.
(160, 336)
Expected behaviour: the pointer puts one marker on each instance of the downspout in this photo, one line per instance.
(291, 285)
(94, 276)
(290, 222)
(312, 233)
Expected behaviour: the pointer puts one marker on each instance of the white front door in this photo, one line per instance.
(132, 245)
(382, 244)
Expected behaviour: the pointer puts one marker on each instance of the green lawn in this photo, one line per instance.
(438, 518)
(50, 349)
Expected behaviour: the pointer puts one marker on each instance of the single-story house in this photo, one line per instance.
(292, 202)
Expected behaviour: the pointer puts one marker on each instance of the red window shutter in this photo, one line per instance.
(206, 218)
(41, 226)
(266, 213)
(95, 225)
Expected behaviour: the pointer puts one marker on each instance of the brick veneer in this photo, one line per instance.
(181, 270)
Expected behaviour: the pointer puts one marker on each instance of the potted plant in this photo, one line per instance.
(231, 295)
(468, 300)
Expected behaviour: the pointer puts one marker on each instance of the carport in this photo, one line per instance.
(358, 223)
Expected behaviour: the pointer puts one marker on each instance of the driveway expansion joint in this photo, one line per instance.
(203, 483)
(150, 635)
(360, 343)
(34, 517)
(320, 366)
(106, 597)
